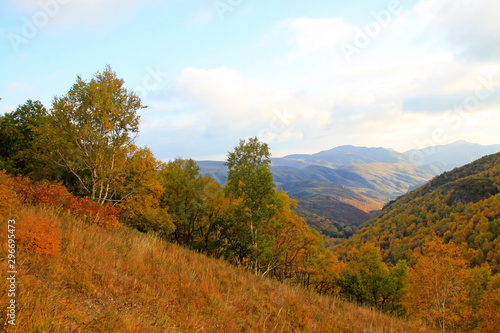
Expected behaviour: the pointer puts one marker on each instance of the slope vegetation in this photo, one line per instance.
(79, 277)
(461, 206)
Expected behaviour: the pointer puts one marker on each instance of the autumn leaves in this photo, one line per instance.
(445, 293)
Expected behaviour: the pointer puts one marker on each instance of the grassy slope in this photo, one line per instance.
(118, 280)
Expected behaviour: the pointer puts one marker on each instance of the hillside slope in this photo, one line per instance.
(335, 202)
(119, 280)
(462, 206)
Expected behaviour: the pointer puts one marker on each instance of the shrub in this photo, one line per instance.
(37, 234)
(43, 192)
(56, 195)
(90, 211)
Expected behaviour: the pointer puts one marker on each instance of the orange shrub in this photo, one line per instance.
(92, 212)
(42, 192)
(38, 235)
(56, 195)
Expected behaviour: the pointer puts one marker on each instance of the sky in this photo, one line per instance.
(302, 76)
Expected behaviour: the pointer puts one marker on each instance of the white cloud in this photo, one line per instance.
(291, 135)
(471, 27)
(466, 29)
(89, 13)
(222, 87)
(420, 55)
(361, 104)
(316, 34)
(228, 97)
(224, 104)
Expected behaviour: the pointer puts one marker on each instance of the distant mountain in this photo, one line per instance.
(375, 176)
(436, 159)
(390, 179)
(447, 157)
(462, 205)
(319, 173)
(214, 169)
(341, 156)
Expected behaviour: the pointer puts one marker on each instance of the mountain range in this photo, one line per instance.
(349, 184)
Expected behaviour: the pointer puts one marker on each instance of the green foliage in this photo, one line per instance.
(182, 197)
(367, 280)
(95, 122)
(250, 181)
(476, 286)
(20, 151)
(216, 206)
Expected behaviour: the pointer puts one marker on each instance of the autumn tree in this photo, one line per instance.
(250, 180)
(437, 285)
(289, 246)
(216, 206)
(90, 129)
(142, 191)
(183, 198)
(489, 312)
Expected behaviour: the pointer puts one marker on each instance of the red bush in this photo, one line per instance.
(56, 195)
(42, 192)
(38, 235)
(104, 215)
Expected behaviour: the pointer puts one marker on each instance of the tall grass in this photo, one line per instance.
(118, 280)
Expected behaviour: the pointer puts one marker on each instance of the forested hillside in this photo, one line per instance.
(461, 206)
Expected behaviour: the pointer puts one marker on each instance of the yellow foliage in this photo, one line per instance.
(436, 285)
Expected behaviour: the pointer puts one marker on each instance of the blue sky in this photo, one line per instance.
(303, 76)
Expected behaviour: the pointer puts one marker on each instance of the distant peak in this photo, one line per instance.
(461, 142)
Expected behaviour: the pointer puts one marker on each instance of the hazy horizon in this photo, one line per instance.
(221, 158)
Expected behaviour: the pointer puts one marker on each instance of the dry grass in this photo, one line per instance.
(118, 280)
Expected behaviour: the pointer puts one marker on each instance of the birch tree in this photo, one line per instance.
(91, 129)
(437, 287)
(250, 180)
